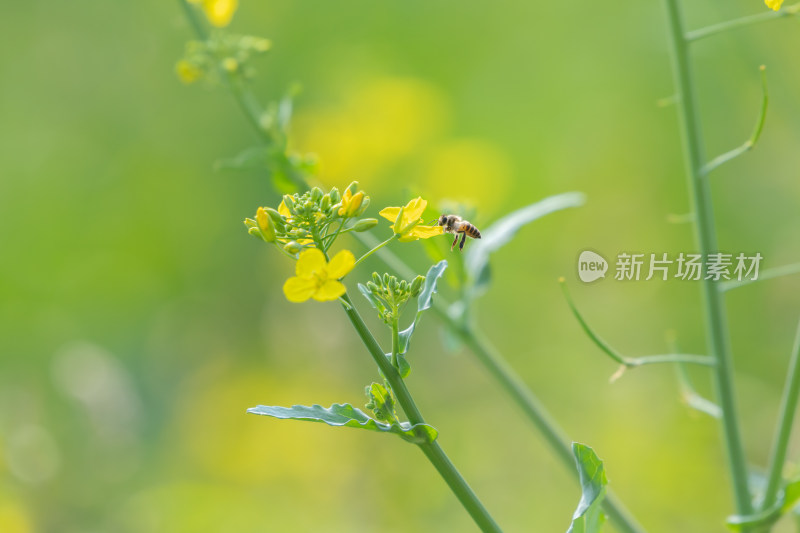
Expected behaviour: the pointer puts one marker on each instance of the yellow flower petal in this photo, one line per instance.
(341, 264)
(330, 290)
(408, 237)
(220, 12)
(774, 4)
(425, 232)
(414, 210)
(310, 261)
(283, 210)
(299, 289)
(390, 213)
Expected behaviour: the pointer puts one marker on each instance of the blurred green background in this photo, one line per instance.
(138, 320)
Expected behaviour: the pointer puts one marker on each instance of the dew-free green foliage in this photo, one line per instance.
(589, 517)
(348, 416)
(424, 301)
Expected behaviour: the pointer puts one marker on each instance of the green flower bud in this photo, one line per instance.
(316, 194)
(250, 223)
(292, 247)
(335, 196)
(276, 217)
(255, 232)
(376, 278)
(288, 201)
(365, 224)
(416, 286)
(325, 204)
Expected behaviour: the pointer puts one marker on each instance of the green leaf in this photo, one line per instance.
(348, 416)
(589, 517)
(424, 301)
(503, 230)
(372, 299)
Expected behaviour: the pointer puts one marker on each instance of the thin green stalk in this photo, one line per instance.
(375, 249)
(432, 450)
(395, 339)
(791, 393)
(706, 238)
(714, 29)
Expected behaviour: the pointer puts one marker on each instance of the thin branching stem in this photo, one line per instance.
(706, 239)
(749, 143)
(714, 29)
(791, 393)
(770, 273)
(631, 362)
(432, 450)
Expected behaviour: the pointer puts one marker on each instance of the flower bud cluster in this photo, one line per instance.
(312, 219)
(231, 53)
(390, 294)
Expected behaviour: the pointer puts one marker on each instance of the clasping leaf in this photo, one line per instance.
(589, 517)
(348, 416)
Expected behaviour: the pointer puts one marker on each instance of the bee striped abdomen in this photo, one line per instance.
(472, 231)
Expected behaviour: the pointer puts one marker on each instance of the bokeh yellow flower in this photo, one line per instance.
(218, 12)
(774, 4)
(407, 221)
(317, 278)
(187, 72)
(350, 203)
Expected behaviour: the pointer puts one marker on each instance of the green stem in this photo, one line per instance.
(376, 248)
(705, 235)
(743, 21)
(432, 450)
(395, 339)
(791, 393)
(197, 24)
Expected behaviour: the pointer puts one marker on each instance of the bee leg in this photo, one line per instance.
(463, 238)
(454, 243)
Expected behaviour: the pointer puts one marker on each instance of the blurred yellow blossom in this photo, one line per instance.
(774, 4)
(187, 72)
(218, 12)
(317, 278)
(407, 221)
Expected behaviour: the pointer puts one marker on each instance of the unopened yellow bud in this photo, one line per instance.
(265, 225)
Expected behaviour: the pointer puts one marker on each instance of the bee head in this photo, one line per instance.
(442, 220)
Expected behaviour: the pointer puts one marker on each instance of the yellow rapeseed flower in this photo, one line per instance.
(317, 278)
(350, 203)
(407, 221)
(774, 4)
(187, 72)
(218, 12)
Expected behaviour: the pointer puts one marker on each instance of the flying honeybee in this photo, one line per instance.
(456, 224)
